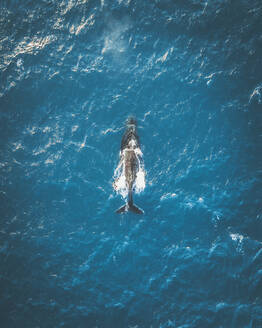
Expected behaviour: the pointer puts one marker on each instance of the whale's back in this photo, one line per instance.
(131, 167)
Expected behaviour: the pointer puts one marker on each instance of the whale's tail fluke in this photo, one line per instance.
(131, 208)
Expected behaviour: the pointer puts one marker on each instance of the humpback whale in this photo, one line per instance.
(130, 167)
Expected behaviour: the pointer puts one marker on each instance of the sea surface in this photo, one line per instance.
(71, 72)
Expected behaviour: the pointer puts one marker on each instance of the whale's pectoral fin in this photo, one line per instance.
(131, 208)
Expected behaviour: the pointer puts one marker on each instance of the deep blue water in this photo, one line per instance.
(71, 73)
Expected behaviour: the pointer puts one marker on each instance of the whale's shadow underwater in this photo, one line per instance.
(130, 174)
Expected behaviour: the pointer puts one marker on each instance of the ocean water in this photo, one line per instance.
(71, 73)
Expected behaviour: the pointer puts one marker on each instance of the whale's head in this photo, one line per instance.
(131, 121)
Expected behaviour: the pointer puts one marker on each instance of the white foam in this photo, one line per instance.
(140, 182)
(120, 185)
(256, 94)
(236, 237)
(168, 195)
